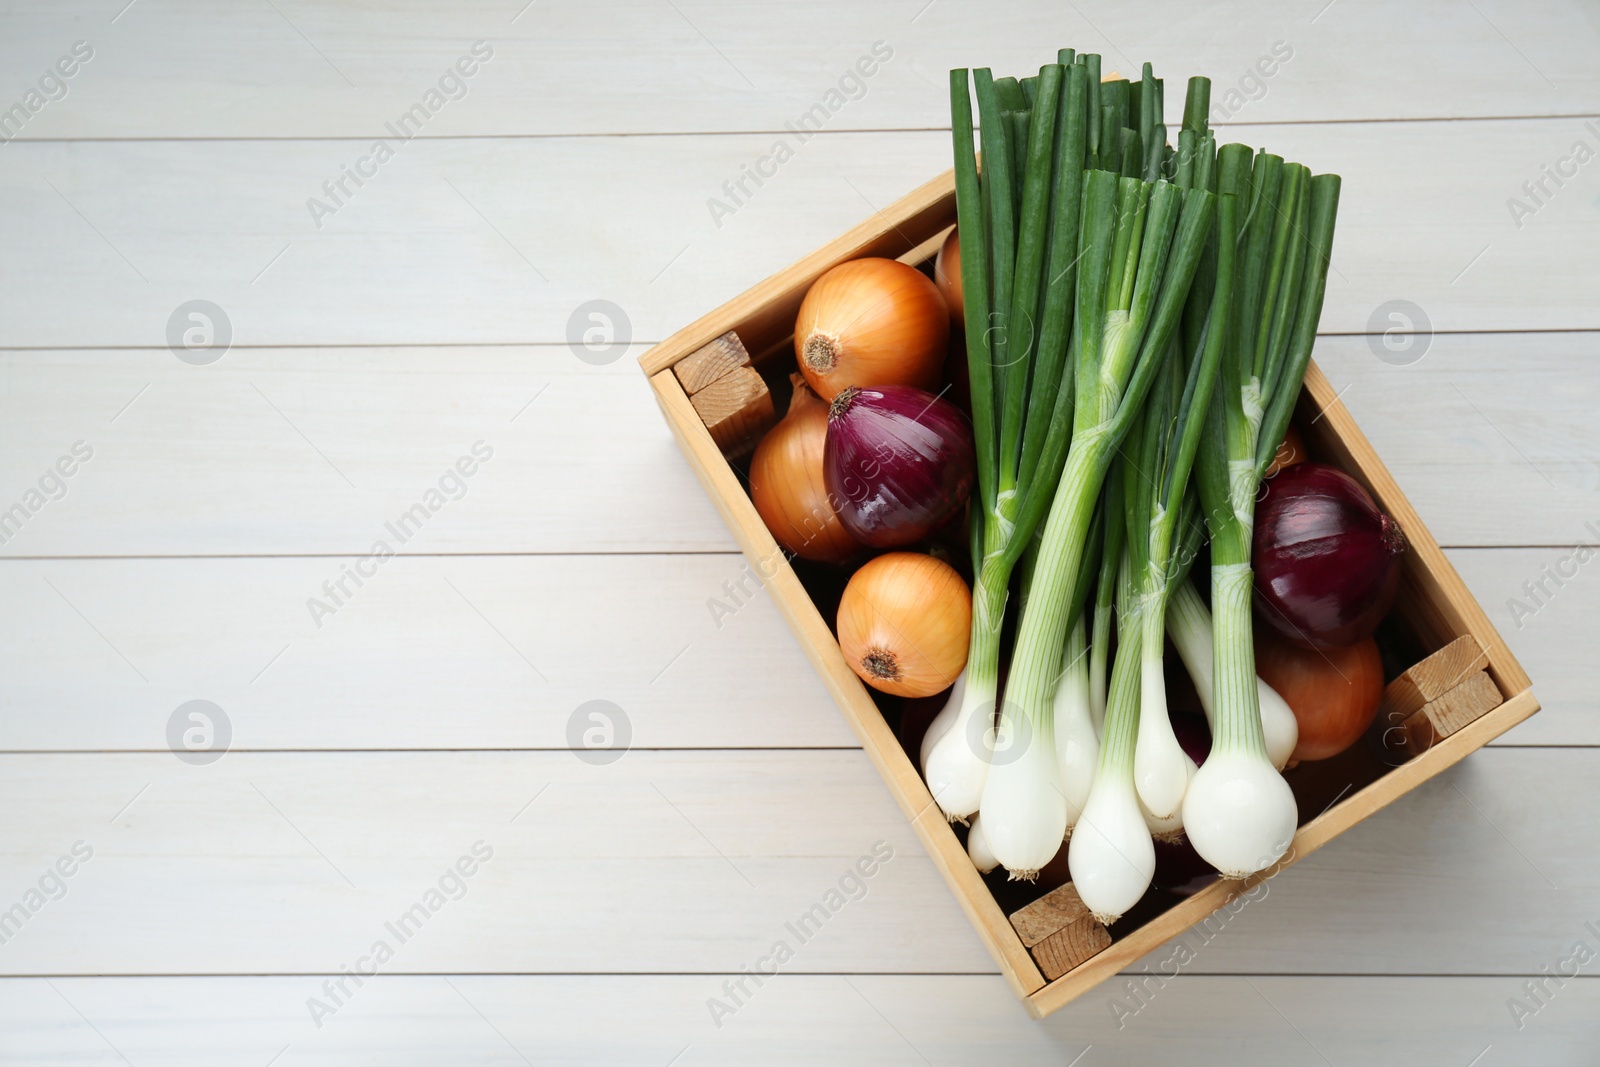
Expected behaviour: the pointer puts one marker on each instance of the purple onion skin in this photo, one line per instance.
(1327, 561)
(898, 463)
(1179, 867)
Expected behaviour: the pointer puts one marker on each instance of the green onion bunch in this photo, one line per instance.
(1135, 313)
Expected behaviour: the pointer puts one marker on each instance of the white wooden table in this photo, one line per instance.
(373, 743)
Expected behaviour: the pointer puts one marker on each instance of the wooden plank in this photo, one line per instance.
(249, 73)
(1432, 678)
(1070, 946)
(705, 365)
(1056, 909)
(1441, 717)
(400, 643)
(1551, 638)
(736, 410)
(1406, 726)
(392, 418)
(212, 461)
(193, 877)
(414, 1020)
(586, 859)
(588, 225)
(553, 634)
(376, 673)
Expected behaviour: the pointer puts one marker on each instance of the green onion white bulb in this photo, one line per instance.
(1077, 740)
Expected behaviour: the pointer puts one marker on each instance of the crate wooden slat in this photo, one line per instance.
(1433, 603)
(1432, 678)
(737, 409)
(1058, 908)
(1069, 946)
(880, 743)
(705, 365)
(1449, 712)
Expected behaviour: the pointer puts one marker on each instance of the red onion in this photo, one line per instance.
(898, 463)
(1327, 561)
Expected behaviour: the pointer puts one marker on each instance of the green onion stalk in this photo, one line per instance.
(1104, 602)
(1157, 483)
(1161, 768)
(1238, 812)
(1189, 627)
(1139, 244)
(1019, 239)
(1111, 856)
(1188, 620)
(1076, 737)
(1077, 732)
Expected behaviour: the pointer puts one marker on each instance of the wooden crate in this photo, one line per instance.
(1434, 605)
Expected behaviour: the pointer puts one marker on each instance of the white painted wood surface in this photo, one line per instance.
(431, 312)
(634, 66)
(337, 441)
(409, 655)
(796, 1019)
(497, 240)
(667, 862)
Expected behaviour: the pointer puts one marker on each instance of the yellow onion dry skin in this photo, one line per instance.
(904, 623)
(872, 322)
(1334, 693)
(788, 488)
(947, 276)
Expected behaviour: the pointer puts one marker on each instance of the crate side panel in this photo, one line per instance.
(879, 742)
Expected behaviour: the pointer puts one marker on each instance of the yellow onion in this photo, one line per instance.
(1290, 452)
(871, 322)
(904, 622)
(788, 487)
(947, 275)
